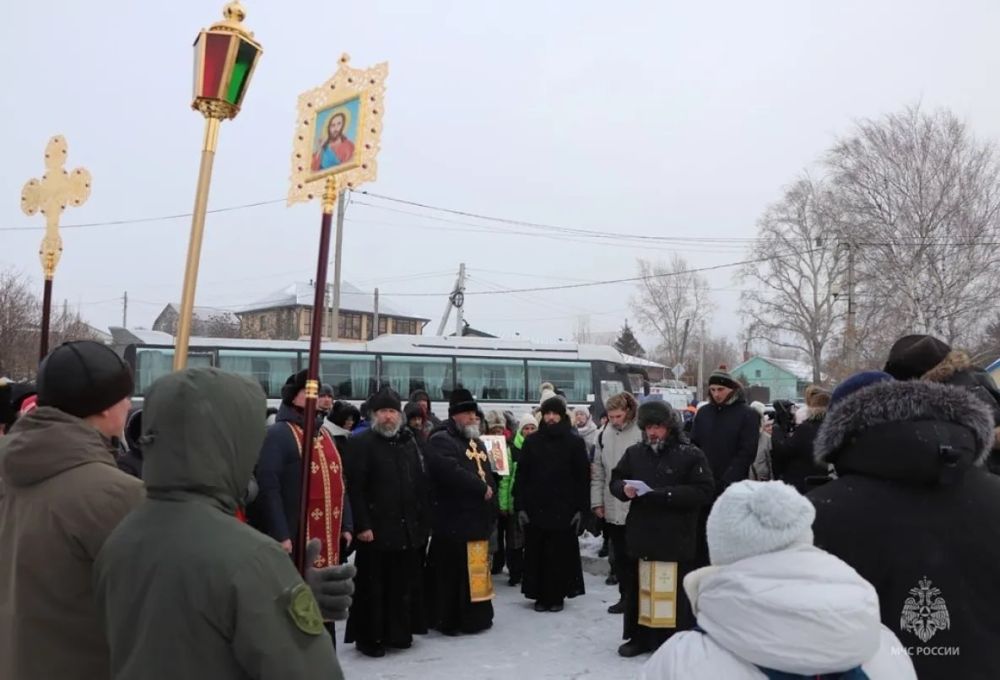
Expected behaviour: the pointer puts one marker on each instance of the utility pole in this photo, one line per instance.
(459, 302)
(338, 249)
(701, 362)
(125, 310)
(375, 319)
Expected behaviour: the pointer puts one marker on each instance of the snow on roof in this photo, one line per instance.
(800, 369)
(352, 299)
(409, 344)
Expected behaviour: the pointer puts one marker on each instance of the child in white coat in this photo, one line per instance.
(772, 606)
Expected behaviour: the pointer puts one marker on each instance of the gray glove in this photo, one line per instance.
(574, 521)
(331, 586)
(522, 518)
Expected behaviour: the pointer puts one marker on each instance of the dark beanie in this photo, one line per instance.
(856, 382)
(721, 376)
(913, 355)
(326, 390)
(295, 384)
(83, 378)
(461, 401)
(385, 398)
(554, 405)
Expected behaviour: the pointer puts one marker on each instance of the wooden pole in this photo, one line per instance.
(312, 372)
(43, 344)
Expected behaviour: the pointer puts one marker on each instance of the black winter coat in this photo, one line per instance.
(662, 525)
(728, 435)
(792, 455)
(910, 507)
(389, 490)
(553, 477)
(460, 509)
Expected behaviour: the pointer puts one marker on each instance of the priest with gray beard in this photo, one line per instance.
(460, 585)
(387, 482)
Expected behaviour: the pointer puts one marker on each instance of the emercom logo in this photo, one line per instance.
(925, 613)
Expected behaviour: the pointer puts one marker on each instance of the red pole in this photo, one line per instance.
(312, 374)
(43, 345)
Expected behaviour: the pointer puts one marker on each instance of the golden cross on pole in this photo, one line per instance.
(50, 195)
(473, 453)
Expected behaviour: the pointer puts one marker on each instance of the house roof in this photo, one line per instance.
(352, 299)
(206, 313)
(800, 369)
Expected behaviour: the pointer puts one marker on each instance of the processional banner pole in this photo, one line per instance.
(336, 144)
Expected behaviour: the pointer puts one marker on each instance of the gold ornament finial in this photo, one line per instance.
(234, 12)
(233, 16)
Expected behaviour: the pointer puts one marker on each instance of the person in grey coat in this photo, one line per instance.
(620, 433)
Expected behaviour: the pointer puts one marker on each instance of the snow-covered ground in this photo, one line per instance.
(579, 642)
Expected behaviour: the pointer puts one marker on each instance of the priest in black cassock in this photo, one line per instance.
(459, 583)
(551, 497)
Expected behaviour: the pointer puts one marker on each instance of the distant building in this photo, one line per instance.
(207, 322)
(287, 315)
(778, 378)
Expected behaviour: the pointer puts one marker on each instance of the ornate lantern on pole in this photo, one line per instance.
(225, 56)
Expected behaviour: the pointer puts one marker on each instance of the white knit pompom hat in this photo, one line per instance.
(753, 518)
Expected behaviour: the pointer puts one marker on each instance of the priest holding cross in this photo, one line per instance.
(460, 587)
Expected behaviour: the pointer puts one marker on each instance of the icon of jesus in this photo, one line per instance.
(335, 147)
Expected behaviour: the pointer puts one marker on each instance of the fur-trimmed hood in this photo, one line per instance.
(956, 361)
(906, 430)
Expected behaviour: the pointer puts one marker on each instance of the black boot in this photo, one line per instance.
(539, 607)
(617, 608)
(373, 649)
(557, 607)
(611, 580)
(632, 648)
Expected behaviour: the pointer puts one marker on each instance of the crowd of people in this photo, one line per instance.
(854, 537)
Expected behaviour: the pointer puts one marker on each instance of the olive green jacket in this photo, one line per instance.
(185, 589)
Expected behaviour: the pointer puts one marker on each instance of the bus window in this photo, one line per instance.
(152, 363)
(269, 368)
(610, 388)
(408, 373)
(492, 379)
(352, 375)
(571, 377)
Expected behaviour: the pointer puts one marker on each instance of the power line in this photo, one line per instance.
(140, 220)
(591, 284)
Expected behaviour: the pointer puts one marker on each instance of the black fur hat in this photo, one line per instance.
(656, 412)
(295, 384)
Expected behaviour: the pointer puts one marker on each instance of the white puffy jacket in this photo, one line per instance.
(800, 611)
(611, 446)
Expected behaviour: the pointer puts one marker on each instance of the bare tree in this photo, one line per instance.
(581, 331)
(219, 326)
(798, 262)
(669, 298)
(19, 319)
(921, 199)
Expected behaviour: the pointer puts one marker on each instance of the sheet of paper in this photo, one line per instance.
(641, 488)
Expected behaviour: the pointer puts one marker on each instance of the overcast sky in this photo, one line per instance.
(659, 118)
